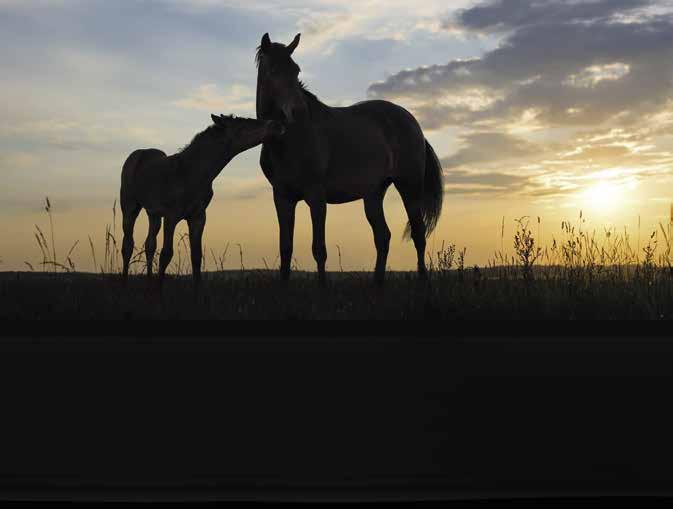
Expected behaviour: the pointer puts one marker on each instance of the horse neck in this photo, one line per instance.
(203, 164)
(317, 108)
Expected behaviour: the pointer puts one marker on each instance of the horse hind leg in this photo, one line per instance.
(413, 203)
(167, 249)
(130, 214)
(151, 241)
(377, 220)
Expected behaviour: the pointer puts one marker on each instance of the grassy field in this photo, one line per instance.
(580, 275)
(479, 294)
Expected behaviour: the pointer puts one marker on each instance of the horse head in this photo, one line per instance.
(239, 134)
(279, 92)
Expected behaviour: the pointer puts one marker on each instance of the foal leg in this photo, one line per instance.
(318, 215)
(151, 241)
(377, 220)
(285, 209)
(413, 206)
(130, 215)
(167, 249)
(196, 224)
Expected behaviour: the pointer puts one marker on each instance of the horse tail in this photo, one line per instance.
(433, 192)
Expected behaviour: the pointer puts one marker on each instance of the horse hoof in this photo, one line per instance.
(284, 276)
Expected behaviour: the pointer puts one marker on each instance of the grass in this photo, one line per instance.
(580, 275)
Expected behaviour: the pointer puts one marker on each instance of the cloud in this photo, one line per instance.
(239, 99)
(231, 188)
(561, 63)
(502, 15)
(76, 134)
(17, 161)
(493, 163)
(575, 92)
(482, 147)
(326, 23)
(463, 182)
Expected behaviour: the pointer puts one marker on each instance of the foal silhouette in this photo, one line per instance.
(180, 187)
(338, 155)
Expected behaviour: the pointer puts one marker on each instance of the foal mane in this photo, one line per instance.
(200, 136)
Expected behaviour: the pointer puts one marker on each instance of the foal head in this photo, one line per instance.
(279, 92)
(236, 135)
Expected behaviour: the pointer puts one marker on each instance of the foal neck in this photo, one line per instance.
(202, 164)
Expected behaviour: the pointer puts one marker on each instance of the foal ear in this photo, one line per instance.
(293, 45)
(266, 42)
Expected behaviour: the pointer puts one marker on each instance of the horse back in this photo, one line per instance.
(354, 150)
(141, 158)
(383, 127)
(396, 123)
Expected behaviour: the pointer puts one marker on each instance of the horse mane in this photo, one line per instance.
(314, 104)
(200, 136)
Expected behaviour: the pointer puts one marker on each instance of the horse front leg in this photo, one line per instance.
(196, 224)
(285, 209)
(318, 207)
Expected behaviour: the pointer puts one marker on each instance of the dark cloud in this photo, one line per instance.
(463, 182)
(551, 66)
(478, 151)
(509, 14)
(497, 180)
(489, 146)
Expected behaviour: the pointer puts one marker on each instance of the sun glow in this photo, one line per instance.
(603, 197)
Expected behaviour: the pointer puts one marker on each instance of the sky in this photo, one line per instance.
(536, 108)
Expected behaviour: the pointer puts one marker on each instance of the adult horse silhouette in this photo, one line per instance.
(181, 186)
(339, 155)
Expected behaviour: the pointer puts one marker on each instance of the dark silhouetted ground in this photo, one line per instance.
(482, 294)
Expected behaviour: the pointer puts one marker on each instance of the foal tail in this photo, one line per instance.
(433, 192)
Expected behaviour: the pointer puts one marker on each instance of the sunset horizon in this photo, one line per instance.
(337, 250)
(536, 109)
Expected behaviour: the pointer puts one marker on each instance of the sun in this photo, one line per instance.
(603, 197)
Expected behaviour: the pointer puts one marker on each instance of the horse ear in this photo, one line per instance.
(216, 120)
(293, 45)
(266, 42)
